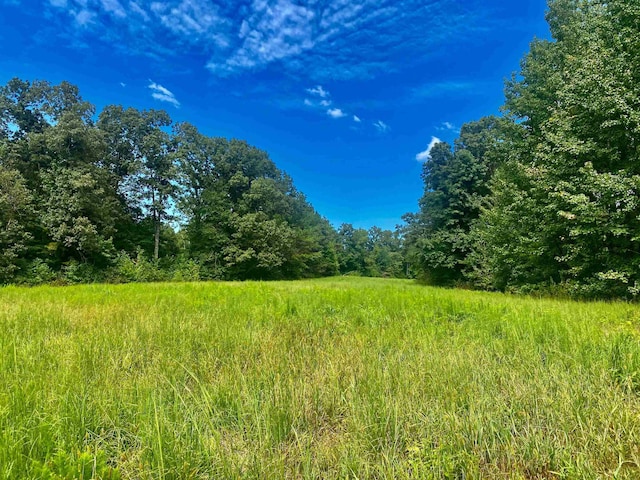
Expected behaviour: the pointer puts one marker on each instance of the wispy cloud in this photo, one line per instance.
(320, 97)
(163, 94)
(272, 31)
(336, 113)
(381, 126)
(426, 154)
(321, 100)
(318, 91)
(159, 29)
(84, 17)
(114, 7)
(447, 127)
(356, 119)
(140, 12)
(319, 39)
(282, 30)
(193, 20)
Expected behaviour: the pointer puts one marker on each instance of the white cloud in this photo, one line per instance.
(160, 88)
(84, 17)
(426, 155)
(447, 126)
(317, 103)
(338, 38)
(272, 31)
(163, 94)
(137, 9)
(381, 126)
(356, 119)
(166, 98)
(336, 113)
(321, 39)
(322, 100)
(159, 29)
(113, 7)
(318, 91)
(193, 20)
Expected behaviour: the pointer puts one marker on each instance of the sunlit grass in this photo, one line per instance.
(334, 378)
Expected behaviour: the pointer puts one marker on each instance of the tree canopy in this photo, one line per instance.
(130, 195)
(545, 199)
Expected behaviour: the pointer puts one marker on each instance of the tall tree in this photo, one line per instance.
(79, 209)
(573, 170)
(16, 211)
(203, 198)
(439, 237)
(244, 217)
(77, 194)
(140, 154)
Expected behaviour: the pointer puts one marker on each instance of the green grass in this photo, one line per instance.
(334, 378)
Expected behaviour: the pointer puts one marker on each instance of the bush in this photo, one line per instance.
(39, 272)
(139, 269)
(77, 272)
(186, 271)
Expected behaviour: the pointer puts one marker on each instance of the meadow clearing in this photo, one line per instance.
(332, 378)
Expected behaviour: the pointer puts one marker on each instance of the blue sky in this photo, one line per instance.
(344, 95)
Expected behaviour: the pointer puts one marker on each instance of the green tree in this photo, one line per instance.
(243, 217)
(373, 253)
(439, 237)
(203, 197)
(98, 194)
(16, 210)
(564, 209)
(78, 206)
(139, 154)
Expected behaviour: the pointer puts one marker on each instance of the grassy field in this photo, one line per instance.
(334, 378)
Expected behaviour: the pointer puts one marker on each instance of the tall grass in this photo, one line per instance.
(334, 378)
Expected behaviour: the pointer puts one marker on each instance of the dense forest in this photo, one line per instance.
(128, 195)
(540, 199)
(545, 198)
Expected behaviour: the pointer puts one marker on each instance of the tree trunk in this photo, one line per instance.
(156, 236)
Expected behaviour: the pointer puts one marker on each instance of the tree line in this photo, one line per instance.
(129, 195)
(542, 199)
(545, 197)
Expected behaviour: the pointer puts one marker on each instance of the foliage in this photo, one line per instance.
(138, 269)
(456, 182)
(372, 253)
(16, 210)
(545, 199)
(564, 208)
(37, 272)
(245, 217)
(89, 200)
